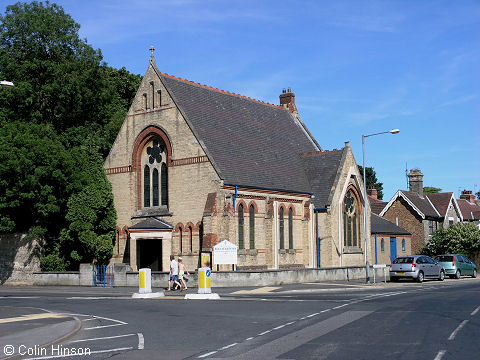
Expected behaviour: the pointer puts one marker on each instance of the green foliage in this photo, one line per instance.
(478, 195)
(372, 180)
(460, 238)
(431, 190)
(57, 122)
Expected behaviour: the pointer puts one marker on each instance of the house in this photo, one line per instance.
(388, 241)
(469, 207)
(375, 204)
(421, 214)
(193, 165)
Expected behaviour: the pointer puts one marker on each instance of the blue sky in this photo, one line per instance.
(356, 68)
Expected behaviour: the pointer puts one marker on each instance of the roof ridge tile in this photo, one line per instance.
(220, 90)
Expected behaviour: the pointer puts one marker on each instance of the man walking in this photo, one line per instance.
(173, 276)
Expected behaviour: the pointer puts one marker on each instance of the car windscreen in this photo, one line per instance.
(444, 258)
(403, 260)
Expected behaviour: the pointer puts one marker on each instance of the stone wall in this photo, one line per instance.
(19, 258)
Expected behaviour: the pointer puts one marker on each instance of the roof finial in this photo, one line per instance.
(152, 49)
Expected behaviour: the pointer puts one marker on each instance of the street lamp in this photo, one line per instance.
(367, 264)
(7, 84)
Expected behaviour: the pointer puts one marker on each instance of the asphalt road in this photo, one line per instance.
(434, 320)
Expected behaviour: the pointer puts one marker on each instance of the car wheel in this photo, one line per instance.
(442, 275)
(457, 274)
(474, 275)
(420, 277)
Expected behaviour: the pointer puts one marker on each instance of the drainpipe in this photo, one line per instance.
(317, 210)
(235, 198)
(376, 260)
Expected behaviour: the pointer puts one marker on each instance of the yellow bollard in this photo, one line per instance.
(204, 275)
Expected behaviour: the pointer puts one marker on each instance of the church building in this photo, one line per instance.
(193, 165)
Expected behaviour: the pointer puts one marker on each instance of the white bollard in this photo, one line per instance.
(145, 283)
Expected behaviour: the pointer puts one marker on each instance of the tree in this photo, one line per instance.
(431, 190)
(478, 195)
(372, 180)
(460, 238)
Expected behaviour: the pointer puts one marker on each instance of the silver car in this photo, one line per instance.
(417, 267)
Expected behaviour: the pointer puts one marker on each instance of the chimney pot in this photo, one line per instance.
(467, 195)
(415, 181)
(372, 191)
(287, 100)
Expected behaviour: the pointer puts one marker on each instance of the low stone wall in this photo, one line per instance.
(19, 258)
(125, 277)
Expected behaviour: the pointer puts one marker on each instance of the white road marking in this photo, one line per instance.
(102, 327)
(250, 338)
(323, 311)
(312, 315)
(278, 327)
(459, 327)
(228, 346)
(207, 354)
(339, 306)
(290, 323)
(91, 352)
(89, 319)
(19, 297)
(101, 338)
(141, 341)
(475, 311)
(440, 355)
(104, 318)
(265, 332)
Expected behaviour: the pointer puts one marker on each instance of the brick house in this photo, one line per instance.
(469, 207)
(193, 165)
(421, 214)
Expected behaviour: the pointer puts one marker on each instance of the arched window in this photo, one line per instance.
(164, 182)
(241, 244)
(351, 222)
(155, 187)
(146, 186)
(403, 245)
(252, 226)
(155, 177)
(382, 245)
(180, 240)
(290, 228)
(190, 238)
(282, 230)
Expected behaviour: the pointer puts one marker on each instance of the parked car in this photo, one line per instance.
(417, 267)
(456, 265)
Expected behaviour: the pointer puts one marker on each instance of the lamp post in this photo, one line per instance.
(7, 84)
(367, 263)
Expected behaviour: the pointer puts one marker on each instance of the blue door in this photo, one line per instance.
(393, 249)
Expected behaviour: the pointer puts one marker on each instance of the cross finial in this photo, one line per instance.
(152, 49)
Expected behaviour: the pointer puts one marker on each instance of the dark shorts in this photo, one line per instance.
(173, 278)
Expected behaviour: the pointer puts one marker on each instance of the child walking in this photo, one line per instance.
(181, 270)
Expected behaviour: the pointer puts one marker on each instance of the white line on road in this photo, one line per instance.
(70, 355)
(227, 346)
(324, 311)
(312, 315)
(290, 323)
(278, 327)
(19, 297)
(141, 341)
(440, 355)
(265, 332)
(459, 327)
(101, 338)
(89, 319)
(207, 354)
(340, 306)
(475, 311)
(250, 338)
(102, 327)
(104, 318)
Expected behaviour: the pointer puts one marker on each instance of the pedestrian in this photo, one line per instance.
(173, 275)
(181, 270)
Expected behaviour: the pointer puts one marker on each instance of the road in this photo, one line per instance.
(434, 320)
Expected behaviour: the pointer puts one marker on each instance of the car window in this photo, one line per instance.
(444, 258)
(460, 258)
(465, 259)
(403, 260)
(420, 260)
(430, 260)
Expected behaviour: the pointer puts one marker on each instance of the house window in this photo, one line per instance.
(282, 230)
(382, 245)
(252, 226)
(430, 227)
(152, 90)
(159, 92)
(180, 240)
(144, 101)
(155, 176)
(241, 244)
(290, 228)
(403, 245)
(351, 222)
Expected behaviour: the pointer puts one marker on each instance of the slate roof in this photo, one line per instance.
(249, 143)
(376, 205)
(151, 224)
(321, 170)
(421, 203)
(441, 201)
(380, 225)
(470, 211)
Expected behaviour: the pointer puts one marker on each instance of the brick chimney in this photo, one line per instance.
(287, 100)
(372, 192)
(415, 180)
(467, 195)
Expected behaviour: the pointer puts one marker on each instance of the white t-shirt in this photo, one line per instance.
(174, 267)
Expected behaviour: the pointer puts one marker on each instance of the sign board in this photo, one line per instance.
(225, 252)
